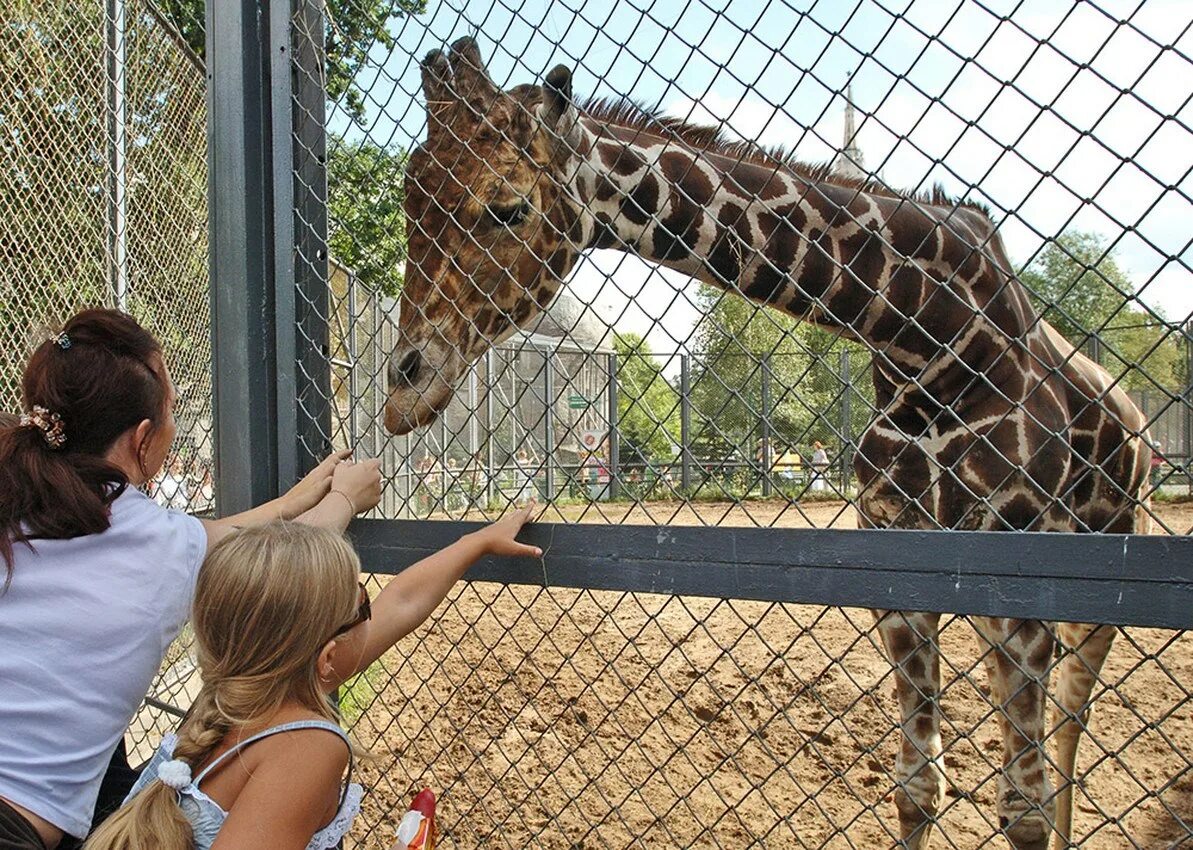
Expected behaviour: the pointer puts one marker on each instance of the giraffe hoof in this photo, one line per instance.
(1027, 834)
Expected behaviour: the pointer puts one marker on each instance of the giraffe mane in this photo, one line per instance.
(630, 114)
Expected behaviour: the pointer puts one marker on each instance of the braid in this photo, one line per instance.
(204, 728)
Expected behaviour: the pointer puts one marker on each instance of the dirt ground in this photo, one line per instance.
(578, 719)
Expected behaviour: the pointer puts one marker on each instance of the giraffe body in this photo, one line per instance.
(987, 418)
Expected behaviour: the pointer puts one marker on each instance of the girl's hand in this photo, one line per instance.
(314, 485)
(360, 482)
(498, 538)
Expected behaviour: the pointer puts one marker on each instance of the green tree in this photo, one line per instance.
(1076, 285)
(647, 405)
(364, 205)
(353, 28)
(736, 343)
(1079, 287)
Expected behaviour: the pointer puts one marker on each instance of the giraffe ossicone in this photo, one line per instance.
(987, 418)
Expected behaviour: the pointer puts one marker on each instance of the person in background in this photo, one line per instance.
(97, 578)
(819, 467)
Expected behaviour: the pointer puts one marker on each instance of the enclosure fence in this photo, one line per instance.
(773, 412)
(712, 363)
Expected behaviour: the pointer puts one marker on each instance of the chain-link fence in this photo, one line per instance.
(972, 317)
(103, 194)
(476, 247)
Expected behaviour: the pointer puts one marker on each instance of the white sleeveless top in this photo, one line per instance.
(205, 814)
(83, 629)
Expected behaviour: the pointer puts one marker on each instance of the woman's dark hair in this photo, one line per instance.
(100, 377)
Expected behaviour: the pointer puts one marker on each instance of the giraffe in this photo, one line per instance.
(987, 419)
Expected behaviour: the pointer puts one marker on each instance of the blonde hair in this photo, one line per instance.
(267, 600)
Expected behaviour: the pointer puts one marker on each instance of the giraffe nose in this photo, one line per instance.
(405, 371)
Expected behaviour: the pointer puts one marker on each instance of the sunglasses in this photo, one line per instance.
(363, 612)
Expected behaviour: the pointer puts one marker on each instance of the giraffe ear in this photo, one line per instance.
(436, 75)
(558, 113)
(470, 78)
(557, 95)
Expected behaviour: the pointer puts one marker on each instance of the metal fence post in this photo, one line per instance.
(685, 424)
(765, 458)
(116, 25)
(240, 257)
(300, 220)
(846, 422)
(614, 459)
(1188, 405)
(490, 383)
(549, 426)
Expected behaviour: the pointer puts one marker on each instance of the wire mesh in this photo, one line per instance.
(610, 290)
(104, 197)
(619, 392)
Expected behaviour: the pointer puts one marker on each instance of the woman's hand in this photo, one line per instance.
(498, 538)
(359, 482)
(313, 487)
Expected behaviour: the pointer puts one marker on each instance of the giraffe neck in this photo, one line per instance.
(925, 287)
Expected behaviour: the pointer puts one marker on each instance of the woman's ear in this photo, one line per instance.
(140, 439)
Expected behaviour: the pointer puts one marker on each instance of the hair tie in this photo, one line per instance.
(50, 425)
(175, 774)
(62, 341)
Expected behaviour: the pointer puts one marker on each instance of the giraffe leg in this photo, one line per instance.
(1078, 673)
(910, 642)
(1021, 655)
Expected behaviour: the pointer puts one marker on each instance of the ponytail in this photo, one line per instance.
(153, 820)
(82, 389)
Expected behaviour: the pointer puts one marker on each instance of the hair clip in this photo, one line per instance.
(62, 341)
(50, 425)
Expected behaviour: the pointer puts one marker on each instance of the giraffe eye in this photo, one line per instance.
(509, 216)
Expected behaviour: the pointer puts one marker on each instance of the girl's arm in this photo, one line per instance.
(292, 792)
(328, 496)
(413, 594)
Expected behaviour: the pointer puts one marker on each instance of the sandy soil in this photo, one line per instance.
(576, 719)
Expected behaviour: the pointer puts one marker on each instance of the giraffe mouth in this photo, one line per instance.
(401, 419)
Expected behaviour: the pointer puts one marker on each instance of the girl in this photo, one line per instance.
(280, 619)
(96, 578)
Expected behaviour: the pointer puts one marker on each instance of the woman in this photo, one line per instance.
(98, 579)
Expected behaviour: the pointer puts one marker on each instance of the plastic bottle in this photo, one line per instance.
(416, 831)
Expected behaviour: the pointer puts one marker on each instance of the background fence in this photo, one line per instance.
(653, 683)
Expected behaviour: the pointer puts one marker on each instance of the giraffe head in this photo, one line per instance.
(493, 227)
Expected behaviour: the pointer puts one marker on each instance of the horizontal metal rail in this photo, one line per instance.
(1126, 580)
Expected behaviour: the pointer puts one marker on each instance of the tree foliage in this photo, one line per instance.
(353, 28)
(647, 405)
(738, 343)
(367, 227)
(1079, 287)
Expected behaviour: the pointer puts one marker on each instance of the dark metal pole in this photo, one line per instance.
(614, 460)
(765, 427)
(846, 422)
(300, 220)
(240, 257)
(549, 425)
(685, 424)
(116, 23)
(1188, 405)
(490, 382)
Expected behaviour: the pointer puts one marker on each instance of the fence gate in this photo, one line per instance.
(720, 283)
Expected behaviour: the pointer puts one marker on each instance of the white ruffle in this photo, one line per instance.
(331, 835)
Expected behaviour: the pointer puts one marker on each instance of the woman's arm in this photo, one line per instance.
(328, 496)
(413, 594)
(292, 792)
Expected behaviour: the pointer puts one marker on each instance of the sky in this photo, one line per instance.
(1056, 114)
